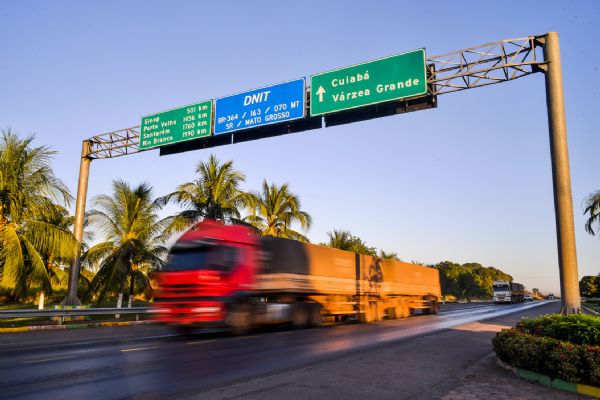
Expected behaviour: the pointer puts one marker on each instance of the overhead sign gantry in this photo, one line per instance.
(470, 68)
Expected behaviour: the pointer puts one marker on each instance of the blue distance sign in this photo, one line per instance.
(258, 107)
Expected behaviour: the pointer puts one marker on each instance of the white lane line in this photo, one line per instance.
(138, 349)
(48, 359)
(247, 337)
(202, 341)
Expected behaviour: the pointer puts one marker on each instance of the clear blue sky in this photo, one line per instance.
(469, 181)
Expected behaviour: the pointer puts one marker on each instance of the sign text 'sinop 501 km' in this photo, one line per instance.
(391, 78)
(185, 123)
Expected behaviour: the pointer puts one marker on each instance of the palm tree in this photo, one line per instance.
(28, 193)
(341, 239)
(388, 256)
(59, 217)
(135, 240)
(275, 210)
(592, 207)
(344, 240)
(214, 194)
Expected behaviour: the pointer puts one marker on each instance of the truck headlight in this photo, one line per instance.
(206, 310)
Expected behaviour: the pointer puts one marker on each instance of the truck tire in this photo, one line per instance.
(300, 316)
(367, 315)
(434, 308)
(239, 319)
(316, 319)
(372, 314)
(403, 310)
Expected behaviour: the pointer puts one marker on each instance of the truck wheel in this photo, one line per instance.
(316, 319)
(371, 312)
(239, 319)
(434, 308)
(367, 316)
(404, 310)
(300, 316)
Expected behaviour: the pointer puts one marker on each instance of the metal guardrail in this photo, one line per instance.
(75, 312)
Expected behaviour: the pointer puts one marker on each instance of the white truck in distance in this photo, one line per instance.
(508, 292)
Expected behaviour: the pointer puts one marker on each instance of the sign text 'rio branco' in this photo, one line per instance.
(184, 123)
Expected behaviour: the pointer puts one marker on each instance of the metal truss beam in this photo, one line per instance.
(115, 144)
(483, 65)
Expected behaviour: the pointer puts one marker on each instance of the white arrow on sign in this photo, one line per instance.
(320, 92)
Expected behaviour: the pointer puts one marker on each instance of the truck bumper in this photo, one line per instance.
(200, 313)
(502, 300)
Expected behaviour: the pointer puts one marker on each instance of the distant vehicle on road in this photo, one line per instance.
(528, 297)
(226, 276)
(508, 292)
(550, 297)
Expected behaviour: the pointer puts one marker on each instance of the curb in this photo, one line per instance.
(71, 326)
(593, 312)
(554, 383)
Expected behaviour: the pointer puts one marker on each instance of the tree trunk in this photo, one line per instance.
(131, 284)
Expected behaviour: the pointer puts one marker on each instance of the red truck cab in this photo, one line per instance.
(208, 267)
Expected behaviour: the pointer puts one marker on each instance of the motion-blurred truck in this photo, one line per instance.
(218, 275)
(508, 292)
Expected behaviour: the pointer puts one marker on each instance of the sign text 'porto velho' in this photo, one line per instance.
(185, 123)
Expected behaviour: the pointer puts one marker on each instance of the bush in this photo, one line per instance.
(555, 358)
(591, 356)
(575, 328)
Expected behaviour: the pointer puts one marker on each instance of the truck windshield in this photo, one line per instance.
(500, 288)
(220, 258)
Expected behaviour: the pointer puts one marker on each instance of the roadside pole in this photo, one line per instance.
(561, 176)
(84, 173)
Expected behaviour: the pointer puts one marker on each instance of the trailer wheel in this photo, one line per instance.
(239, 319)
(316, 319)
(434, 308)
(372, 314)
(403, 310)
(300, 316)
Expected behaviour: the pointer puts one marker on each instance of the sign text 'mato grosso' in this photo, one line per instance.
(268, 105)
(391, 78)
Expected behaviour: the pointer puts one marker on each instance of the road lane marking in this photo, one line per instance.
(138, 349)
(48, 359)
(202, 341)
(247, 337)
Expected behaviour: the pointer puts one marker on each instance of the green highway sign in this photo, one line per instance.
(185, 123)
(391, 78)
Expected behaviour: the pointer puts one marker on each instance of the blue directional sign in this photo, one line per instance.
(258, 107)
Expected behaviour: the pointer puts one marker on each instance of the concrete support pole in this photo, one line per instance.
(561, 176)
(84, 173)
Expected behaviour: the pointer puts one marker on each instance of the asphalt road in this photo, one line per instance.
(152, 362)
